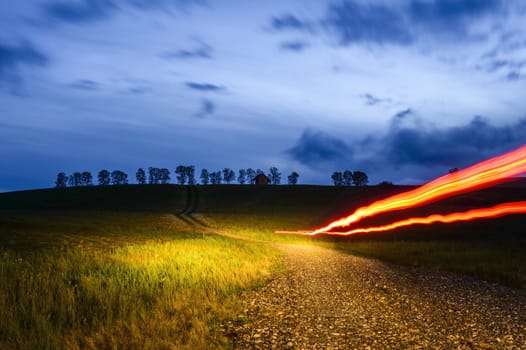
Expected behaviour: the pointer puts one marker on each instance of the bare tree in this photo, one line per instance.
(347, 178)
(103, 177)
(119, 177)
(275, 176)
(251, 175)
(228, 175)
(181, 174)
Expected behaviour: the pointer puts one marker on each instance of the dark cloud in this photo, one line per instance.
(453, 147)
(451, 15)
(297, 46)
(289, 21)
(205, 87)
(94, 10)
(315, 147)
(207, 108)
(85, 84)
(13, 57)
(204, 51)
(354, 22)
(84, 11)
(514, 76)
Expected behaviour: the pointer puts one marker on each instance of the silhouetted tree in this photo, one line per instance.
(205, 177)
(140, 176)
(75, 179)
(153, 175)
(103, 177)
(62, 180)
(190, 174)
(275, 176)
(181, 174)
(215, 177)
(228, 175)
(251, 174)
(259, 171)
(385, 184)
(347, 178)
(359, 178)
(293, 178)
(164, 176)
(119, 177)
(86, 178)
(242, 178)
(337, 178)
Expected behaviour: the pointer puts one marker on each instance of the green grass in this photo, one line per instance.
(127, 281)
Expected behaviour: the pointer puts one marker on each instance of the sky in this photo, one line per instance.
(402, 90)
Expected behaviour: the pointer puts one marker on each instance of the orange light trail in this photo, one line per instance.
(473, 214)
(478, 176)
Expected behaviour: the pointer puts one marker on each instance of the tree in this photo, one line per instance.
(140, 175)
(153, 175)
(293, 178)
(181, 174)
(86, 178)
(359, 178)
(75, 179)
(205, 177)
(242, 178)
(62, 180)
(251, 174)
(347, 178)
(164, 176)
(190, 174)
(228, 175)
(215, 177)
(103, 177)
(275, 176)
(119, 177)
(337, 178)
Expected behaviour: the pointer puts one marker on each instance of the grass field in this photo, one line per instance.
(119, 267)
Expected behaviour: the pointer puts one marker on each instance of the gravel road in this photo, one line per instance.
(329, 300)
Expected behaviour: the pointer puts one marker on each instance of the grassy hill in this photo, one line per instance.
(160, 266)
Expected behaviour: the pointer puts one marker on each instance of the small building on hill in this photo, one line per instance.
(261, 179)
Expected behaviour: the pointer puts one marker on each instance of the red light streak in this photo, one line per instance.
(473, 214)
(478, 176)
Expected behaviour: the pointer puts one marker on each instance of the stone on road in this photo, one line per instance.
(330, 300)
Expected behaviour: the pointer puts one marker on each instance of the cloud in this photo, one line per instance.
(315, 147)
(354, 22)
(453, 147)
(403, 114)
(451, 15)
(95, 10)
(372, 100)
(296, 46)
(207, 108)
(203, 51)
(205, 87)
(290, 22)
(83, 11)
(84, 84)
(13, 57)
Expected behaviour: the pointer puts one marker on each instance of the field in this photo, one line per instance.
(137, 267)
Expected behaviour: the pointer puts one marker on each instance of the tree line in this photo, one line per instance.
(184, 175)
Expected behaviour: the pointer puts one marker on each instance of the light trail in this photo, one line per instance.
(473, 214)
(478, 176)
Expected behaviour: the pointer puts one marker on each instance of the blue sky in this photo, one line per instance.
(403, 90)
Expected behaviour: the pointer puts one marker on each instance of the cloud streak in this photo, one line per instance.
(205, 87)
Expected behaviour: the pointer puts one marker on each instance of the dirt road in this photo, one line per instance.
(329, 300)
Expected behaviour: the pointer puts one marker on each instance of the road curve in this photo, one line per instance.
(329, 300)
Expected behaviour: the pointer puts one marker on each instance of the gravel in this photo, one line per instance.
(330, 300)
